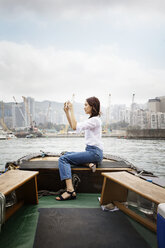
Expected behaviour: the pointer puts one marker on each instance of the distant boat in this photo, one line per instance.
(29, 136)
(30, 133)
(6, 135)
(10, 135)
(3, 136)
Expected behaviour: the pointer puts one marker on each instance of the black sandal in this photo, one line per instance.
(71, 197)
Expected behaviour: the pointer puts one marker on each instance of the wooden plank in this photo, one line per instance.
(146, 189)
(11, 210)
(112, 191)
(149, 224)
(13, 179)
(30, 191)
(105, 169)
(47, 158)
(80, 169)
(25, 185)
(104, 192)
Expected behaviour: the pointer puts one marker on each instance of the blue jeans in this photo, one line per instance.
(92, 154)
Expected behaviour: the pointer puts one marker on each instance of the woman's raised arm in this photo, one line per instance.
(66, 110)
(72, 117)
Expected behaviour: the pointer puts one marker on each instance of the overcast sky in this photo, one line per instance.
(52, 49)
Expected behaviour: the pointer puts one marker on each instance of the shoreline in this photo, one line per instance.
(103, 136)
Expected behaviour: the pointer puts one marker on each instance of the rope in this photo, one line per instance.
(75, 181)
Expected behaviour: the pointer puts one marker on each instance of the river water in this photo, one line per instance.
(144, 154)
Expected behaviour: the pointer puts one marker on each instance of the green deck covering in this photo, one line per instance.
(19, 230)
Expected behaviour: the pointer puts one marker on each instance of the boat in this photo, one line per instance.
(4, 135)
(30, 136)
(28, 133)
(29, 226)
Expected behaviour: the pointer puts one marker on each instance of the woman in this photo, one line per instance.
(94, 146)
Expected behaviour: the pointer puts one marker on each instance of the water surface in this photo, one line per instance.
(145, 154)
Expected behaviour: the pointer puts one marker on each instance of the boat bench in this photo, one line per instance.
(24, 183)
(48, 178)
(115, 189)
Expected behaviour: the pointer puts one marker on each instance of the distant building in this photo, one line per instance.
(157, 120)
(154, 105)
(124, 115)
(31, 104)
(29, 111)
(154, 121)
(117, 112)
(157, 104)
(156, 109)
(146, 116)
(141, 119)
(7, 115)
(162, 104)
(161, 120)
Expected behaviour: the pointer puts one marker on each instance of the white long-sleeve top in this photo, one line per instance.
(93, 131)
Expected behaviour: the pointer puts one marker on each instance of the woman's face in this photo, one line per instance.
(87, 108)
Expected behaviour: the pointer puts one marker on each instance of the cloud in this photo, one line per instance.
(57, 74)
(81, 8)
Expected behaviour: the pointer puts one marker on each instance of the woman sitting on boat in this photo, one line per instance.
(94, 147)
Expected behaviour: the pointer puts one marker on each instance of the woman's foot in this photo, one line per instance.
(67, 195)
(92, 167)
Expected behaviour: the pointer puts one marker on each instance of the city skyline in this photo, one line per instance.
(52, 49)
(20, 100)
(24, 113)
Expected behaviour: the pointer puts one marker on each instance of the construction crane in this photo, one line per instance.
(133, 101)
(20, 110)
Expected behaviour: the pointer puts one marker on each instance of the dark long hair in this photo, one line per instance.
(95, 104)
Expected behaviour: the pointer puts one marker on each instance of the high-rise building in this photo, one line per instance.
(142, 118)
(154, 105)
(162, 104)
(157, 104)
(154, 121)
(31, 110)
(161, 120)
(157, 120)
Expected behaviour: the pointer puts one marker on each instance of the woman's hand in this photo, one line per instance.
(70, 105)
(66, 108)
